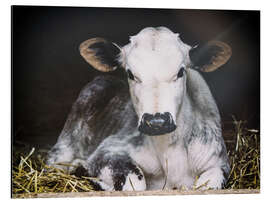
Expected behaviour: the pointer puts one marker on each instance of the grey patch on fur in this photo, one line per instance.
(137, 140)
(98, 112)
(120, 164)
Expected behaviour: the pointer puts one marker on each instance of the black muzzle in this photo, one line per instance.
(157, 124)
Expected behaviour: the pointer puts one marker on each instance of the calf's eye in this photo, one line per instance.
(181, 72)
(130, 75)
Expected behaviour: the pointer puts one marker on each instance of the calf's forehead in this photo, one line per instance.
(156, 50)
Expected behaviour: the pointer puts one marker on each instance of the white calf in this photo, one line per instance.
(167, 136)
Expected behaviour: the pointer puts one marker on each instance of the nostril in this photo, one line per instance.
(147, 116)
(165, 117)
(168, 117)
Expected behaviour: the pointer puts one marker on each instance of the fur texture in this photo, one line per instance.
(101, 131)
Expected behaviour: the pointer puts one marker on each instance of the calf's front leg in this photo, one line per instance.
(212, 178)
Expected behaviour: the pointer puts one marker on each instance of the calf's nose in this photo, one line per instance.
(158, 124)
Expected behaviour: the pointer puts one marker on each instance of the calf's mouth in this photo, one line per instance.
(157, 124)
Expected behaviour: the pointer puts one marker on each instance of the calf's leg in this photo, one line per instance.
(116, 172)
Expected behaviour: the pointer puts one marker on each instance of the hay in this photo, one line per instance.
(244, 159)
(30, 175)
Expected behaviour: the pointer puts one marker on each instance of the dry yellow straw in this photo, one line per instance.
(31, 176)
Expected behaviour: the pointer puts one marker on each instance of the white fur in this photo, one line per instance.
(194, 149)
(155, 58)
(106, 175)
(65, 155)
(133, 183)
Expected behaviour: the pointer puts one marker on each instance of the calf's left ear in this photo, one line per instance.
(100, 53)
(209, 57)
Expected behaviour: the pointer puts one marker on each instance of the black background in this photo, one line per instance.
(48, 71)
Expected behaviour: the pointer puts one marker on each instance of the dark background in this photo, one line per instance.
(48, 72)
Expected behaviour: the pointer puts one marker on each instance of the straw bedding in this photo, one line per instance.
(30, 175)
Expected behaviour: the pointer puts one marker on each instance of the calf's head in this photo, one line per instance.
(156, 61)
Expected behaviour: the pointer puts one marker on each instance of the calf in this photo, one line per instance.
(168, 135)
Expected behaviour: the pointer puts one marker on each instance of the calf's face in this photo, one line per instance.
(156, 61)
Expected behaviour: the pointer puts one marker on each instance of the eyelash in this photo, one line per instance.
(180, 73)
(130, 75)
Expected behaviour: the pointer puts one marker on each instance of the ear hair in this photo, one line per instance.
(120, 48)
(100, 53)
(210, 56)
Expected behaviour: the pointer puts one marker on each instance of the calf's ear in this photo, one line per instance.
(100, 53)
(210, 56)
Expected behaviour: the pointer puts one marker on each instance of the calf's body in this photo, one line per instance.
(162, 132)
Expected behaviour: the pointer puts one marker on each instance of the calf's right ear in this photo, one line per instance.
(100, 53)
